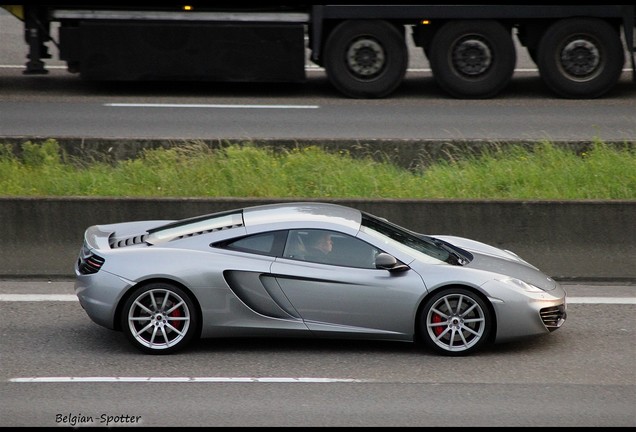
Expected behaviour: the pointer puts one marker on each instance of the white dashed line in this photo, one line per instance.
(182, 379)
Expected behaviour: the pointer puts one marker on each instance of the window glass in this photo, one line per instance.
(264, 244)
(404, 239)
(330, 247)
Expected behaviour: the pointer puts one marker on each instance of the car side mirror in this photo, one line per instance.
(384, 261)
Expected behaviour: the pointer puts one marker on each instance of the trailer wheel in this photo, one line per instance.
(472, 59)
(532, 53)
(580, 58)
(365, 59)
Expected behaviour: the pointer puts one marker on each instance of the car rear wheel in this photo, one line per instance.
(159, 318)
(455, 322)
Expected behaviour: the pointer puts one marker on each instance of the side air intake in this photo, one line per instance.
(129, 241)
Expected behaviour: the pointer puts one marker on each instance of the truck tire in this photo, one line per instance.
(365, 59)
(580, 58)
(472, 59)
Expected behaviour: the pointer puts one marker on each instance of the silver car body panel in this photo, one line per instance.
(354, 301)
(299, 215)
(240, 293)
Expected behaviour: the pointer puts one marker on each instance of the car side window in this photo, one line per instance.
(270, 243)
(330, 247)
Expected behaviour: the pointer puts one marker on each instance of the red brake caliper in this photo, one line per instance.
(438, 329)
(175, 314)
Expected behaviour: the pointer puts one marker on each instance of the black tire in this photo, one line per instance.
(159, 318)
(365, 59)
(532, 53)
(455, 322)
(472, 59)
(580, 58)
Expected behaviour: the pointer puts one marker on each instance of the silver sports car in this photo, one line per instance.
(308, 269)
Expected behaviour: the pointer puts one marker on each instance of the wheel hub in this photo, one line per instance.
(456, 323)
(365, 57)
(472, 57)
(159, 320)
(580, 58)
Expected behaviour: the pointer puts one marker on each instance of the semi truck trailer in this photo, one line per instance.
(580, 50)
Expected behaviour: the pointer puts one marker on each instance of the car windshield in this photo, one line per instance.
(429, 246)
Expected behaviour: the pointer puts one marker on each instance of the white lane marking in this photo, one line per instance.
(73, 297)
(37, 297)
(221, 106)
(24, 67)
(601, 300)
(181, 379)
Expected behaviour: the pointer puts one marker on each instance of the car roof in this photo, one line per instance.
(302, 215)
(268, 217)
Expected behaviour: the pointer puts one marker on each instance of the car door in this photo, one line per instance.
(349, 295)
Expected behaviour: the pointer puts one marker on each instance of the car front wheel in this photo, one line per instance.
(159, 318)
(455, 321)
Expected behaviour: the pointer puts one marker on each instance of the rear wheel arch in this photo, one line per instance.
(160, 317)
(132, 289)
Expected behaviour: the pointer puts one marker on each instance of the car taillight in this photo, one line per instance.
(90, 264)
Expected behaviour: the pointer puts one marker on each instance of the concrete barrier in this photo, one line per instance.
(569, 240)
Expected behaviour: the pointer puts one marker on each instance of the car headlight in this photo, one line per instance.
(522, 285)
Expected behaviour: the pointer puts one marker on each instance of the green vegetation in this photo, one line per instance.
(543, 172)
